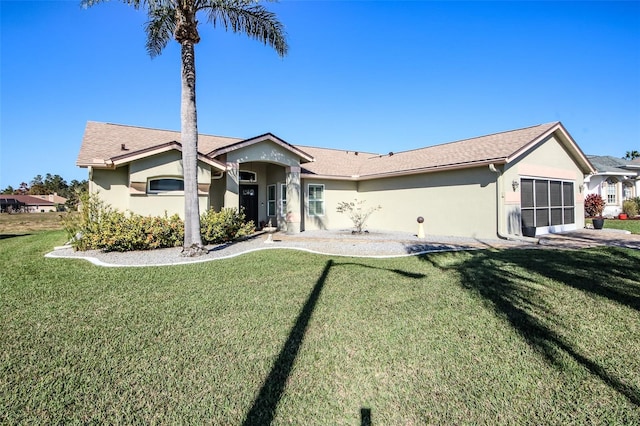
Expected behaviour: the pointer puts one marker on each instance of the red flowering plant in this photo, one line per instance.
(593, 205)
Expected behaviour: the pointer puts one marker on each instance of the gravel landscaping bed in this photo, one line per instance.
(344, 243)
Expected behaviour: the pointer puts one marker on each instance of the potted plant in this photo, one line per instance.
(593, 208)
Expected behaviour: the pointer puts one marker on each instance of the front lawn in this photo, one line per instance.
(632, 226)
(284, 337)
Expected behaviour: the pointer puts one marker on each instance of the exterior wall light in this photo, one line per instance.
(515, 184)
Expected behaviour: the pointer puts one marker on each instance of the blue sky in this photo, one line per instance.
(360, 75)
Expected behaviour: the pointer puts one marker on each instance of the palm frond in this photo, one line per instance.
(159, 28)
(88, 3)
(246, 16)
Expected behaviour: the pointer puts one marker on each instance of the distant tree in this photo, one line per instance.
(8, 190)
(36, 185)
(23, 189)
(177, 19)
(75, 192)
(55, 184)
(632, 155)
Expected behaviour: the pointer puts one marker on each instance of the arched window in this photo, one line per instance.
(165, 184)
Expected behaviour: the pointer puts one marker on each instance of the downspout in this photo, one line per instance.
(500, 210)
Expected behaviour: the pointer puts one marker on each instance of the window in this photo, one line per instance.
(627, 190)
(546, 202)
(316, 200)
(247, 176)
(610, 188)
(157, 185)
(283, 199)
(271, 200)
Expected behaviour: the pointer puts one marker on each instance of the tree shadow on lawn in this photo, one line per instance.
(7, 236)
(264, 407)
(500, 277)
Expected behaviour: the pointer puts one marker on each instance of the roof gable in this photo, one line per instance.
(304, 157)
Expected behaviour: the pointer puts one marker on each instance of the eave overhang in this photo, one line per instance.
(128, 157)
(409, 172)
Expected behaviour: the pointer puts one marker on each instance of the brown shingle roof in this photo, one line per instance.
(104, 141)
(496, 148)
(27, 199)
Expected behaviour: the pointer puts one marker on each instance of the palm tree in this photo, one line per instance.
(177, 19)
(632, 155)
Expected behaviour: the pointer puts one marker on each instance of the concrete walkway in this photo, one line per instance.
(586, 238)
(343, 243)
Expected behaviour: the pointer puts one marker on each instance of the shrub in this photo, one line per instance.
(637, 201)
(630, 208)
(100, 227)
(356, 213)
(593, 205)
(226, 225)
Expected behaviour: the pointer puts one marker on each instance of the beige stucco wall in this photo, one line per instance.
(456, 203)
(334, 192)
(112, 186)
(125, 187)
(547, 160)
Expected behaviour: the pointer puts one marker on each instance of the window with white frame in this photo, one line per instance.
(271, 200)
(316, 199)
(248, 176)
(283, 199)
(627, 190)
(611, 190)
(164, 184)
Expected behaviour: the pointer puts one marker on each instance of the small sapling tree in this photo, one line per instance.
(357, 213)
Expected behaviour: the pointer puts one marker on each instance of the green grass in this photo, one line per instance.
(632, 226)
(283, 337)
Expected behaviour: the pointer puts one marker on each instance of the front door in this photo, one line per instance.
(249, 201)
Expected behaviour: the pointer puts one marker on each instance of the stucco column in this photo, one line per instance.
(294, 195)
(231, 194)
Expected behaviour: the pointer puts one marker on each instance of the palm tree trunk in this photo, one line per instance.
(192, 245)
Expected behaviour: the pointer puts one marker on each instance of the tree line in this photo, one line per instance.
(51, 184)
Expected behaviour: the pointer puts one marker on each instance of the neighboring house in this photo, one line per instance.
(25, 204)
(615, 179)
(480, 187)
(54, 198)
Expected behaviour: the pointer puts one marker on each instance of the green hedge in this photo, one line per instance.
(100, 227)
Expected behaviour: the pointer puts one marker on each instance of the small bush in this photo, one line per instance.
(356, 213)
(593, 205)
(630, 208)
(637, 201)
(226, 225)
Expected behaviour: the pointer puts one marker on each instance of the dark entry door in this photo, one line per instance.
(249, 200)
